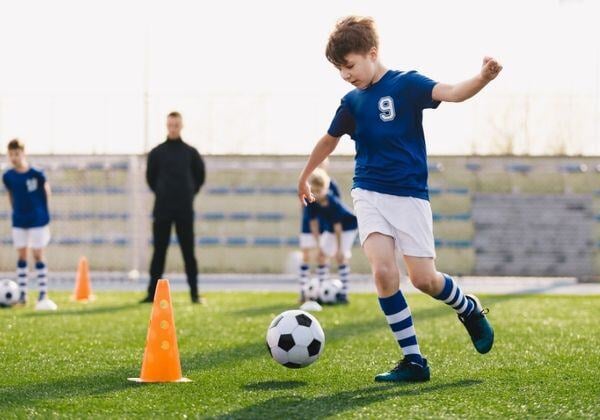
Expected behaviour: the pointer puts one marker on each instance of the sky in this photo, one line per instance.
(94, 76)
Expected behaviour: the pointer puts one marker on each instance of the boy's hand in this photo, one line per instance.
(490, 69)
(304, 193)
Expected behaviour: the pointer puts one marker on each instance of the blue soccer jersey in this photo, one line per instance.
(334, 212)
(30, 204)
(305, 228)
(385, 121)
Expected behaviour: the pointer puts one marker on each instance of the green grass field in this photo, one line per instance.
(74, 363)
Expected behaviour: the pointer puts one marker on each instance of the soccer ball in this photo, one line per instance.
(329, 290)
(295, 339)
(311, 289)
(9, 292)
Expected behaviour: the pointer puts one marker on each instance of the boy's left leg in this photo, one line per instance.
(22, 275)
(426, 278)
(348, 238)
(42, 273)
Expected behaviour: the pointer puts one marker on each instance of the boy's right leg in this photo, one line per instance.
(22, 275)
(380, 251)
(304, 273)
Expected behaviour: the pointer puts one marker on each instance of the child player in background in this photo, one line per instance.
(309, 243)
(28, 191)
(340, 223)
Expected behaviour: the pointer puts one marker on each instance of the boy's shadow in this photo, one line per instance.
(345, 401)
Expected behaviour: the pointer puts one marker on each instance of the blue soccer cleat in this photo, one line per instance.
(478, 327)
(406, 371)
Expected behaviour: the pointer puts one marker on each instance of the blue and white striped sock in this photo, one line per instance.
(42, 274)
(344, 272)
(453, 296)
(399, 318)
(304, 273)
(22, 278)
(322, 272)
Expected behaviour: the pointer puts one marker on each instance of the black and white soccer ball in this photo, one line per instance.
(9, 292)
(295, 339)
(312, 288)
(329, 290)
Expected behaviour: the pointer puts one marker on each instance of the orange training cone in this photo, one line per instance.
(83, 285)
(161, 357)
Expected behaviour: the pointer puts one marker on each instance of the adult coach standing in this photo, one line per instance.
(175, 173)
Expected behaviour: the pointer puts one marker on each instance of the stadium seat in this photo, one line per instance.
(267, 241)
(522, 168)
(236, 241)
(473, 166)
(573, 168)
(435, 167)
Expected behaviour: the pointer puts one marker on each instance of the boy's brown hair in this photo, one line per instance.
(352, 34)
(174, 114)
(16, 144)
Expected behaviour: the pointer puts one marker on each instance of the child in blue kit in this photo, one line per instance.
(340, 223)
(28, 191)
(310, 243)
(383, 115)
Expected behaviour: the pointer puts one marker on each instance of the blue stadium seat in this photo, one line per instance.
(473, 166)
(270, 216)
(208, 240)
(236, 241)
(573, 168)
(218, 190)
(95, 166)
(240, 216)
(121, 241)
(457, 191)
(451, 217)
(522, 168)
(213, 215)
(119, 166)
(278, 190)
(435, 167)
(292, 241)
(267, 241)
(244, 190)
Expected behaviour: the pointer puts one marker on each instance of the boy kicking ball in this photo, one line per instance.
(28, 192)
(383, 115)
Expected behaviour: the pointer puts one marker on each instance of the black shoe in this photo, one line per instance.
(198, 300)
(406, 371)
(147, 299)
(478, 327)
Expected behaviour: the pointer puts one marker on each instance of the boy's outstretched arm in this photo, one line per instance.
(469, 88)
(323, 148)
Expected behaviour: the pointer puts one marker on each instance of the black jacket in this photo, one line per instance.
(175, 173)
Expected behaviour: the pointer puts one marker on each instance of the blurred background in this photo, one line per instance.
(87, 87)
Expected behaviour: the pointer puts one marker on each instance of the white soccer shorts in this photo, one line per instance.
(307, 241)
(329, 244)
(406, 219)
(36, 238)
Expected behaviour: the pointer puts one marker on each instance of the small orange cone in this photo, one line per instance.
(161, 357)
(83, 285)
